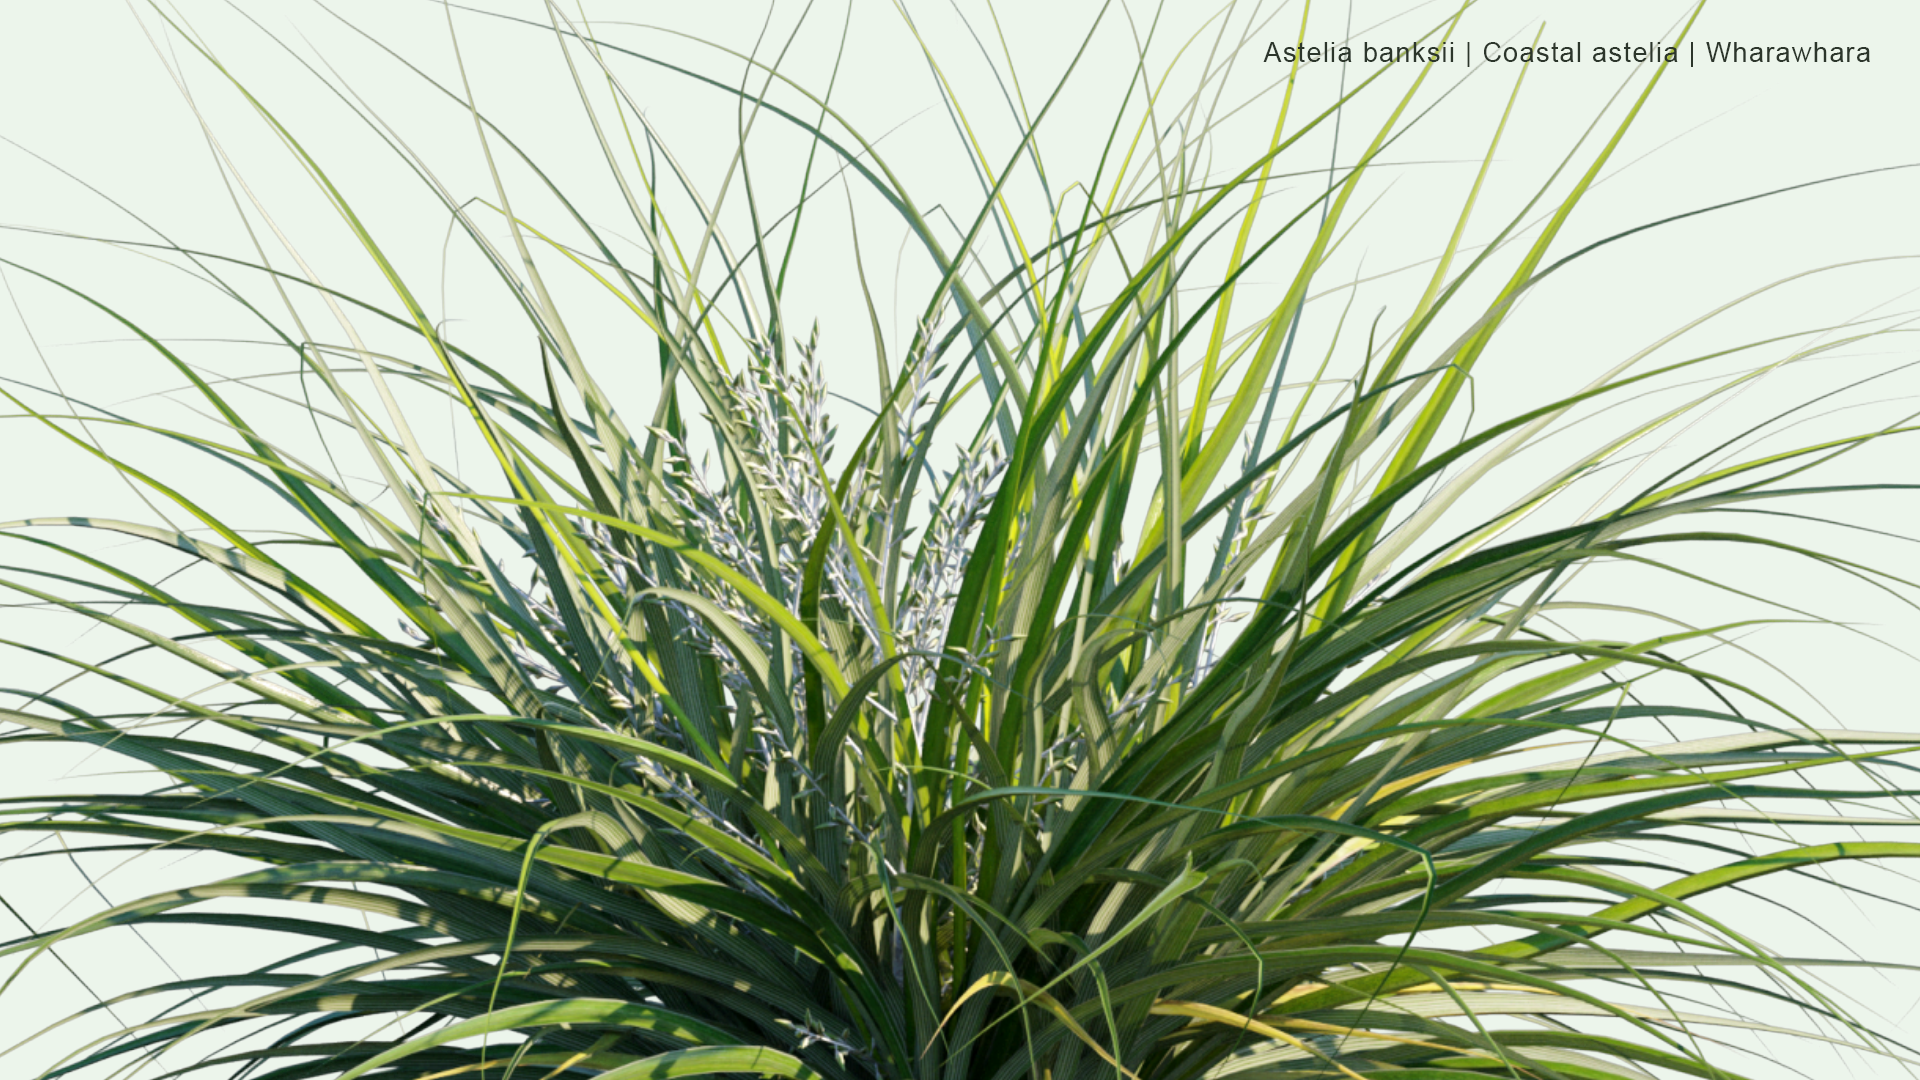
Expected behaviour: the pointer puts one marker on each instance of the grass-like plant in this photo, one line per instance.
(1126, 692)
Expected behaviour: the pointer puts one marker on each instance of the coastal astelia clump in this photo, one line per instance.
(1149, 665)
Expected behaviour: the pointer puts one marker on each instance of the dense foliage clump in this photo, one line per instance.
(1110, 699)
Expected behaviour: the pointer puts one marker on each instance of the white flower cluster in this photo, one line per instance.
(761, 509)
(768, 524)
(929, 602)
(772, 498)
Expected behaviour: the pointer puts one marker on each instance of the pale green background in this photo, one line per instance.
(81, 85)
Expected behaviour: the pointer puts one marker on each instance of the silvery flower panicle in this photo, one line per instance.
(781, 441)
(941, 566)
(921, 371)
